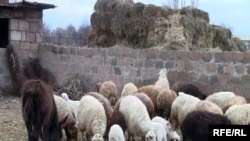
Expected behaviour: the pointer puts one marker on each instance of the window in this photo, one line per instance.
(4, 32)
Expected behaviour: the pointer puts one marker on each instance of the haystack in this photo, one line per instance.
(136, 25)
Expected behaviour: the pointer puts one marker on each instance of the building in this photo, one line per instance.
(21, 27)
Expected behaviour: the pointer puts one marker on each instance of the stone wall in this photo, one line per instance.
(211, 71)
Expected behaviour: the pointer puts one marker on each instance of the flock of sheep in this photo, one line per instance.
(153, 112)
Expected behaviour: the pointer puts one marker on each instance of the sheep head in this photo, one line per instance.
(163, 73)
(97, 137)
(150, 136)
(65, 96)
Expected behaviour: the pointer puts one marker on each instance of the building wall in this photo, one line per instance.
(211, 71)
(25, 28)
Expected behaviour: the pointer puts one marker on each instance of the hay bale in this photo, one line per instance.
(136, 25)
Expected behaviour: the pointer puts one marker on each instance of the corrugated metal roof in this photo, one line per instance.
(27, 5)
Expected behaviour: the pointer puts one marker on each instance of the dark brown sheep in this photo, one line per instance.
(39, 111)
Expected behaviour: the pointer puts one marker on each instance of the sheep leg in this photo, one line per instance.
(37, 132)
(82, 135)
(67, 133)
(45, 134)
(29, 129)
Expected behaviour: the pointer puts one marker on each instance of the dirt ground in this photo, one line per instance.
(12, 127)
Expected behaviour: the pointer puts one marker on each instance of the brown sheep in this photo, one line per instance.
(109, 90)
(148, 103)
(164, 102)
(39, 111)
(152, 92)
(205, 105)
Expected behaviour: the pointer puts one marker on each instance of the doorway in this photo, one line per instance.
(4, 32)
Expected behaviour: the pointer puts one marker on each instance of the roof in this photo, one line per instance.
(28, 5)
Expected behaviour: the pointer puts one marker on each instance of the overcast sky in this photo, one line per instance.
(230, 13)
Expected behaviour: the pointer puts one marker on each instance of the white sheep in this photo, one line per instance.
(181, 106)
(162, 82)
(136, 117)
(221, 98)
(172, 135)
(116, 133)
(159, 131)
(236, 100)
(92, 118)
(65, 116)
(239, 114)
(74, 104)
(128, 88)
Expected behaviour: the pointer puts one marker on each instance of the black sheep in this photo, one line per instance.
(195, 126)
(188, 88)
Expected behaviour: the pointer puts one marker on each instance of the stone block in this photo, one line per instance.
(34, 46)
(23, 25)
(39, 38)
(35, 27)
(14, 24)
(240, 69)
(223, 79)
(30, 37)
(25, 45)
(158, 64)
(16, 35)
(23, 36)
